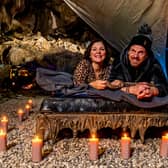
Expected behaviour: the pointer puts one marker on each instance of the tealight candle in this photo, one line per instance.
(37, 144)
(125, 146)
(93, 148)
(164, 146)
(20, 115)
(3, 141)
(4, 123)
(27, 110)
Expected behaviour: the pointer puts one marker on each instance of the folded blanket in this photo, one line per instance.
(62, 84)
(122, 96)
(51, 80)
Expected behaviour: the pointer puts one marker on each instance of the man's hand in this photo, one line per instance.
(116, 84)
(143, 90)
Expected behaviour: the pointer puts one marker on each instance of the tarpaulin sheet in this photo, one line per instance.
(118, 20)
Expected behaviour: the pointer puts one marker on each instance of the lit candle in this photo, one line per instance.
(125, 146)
(37, 144)
(3, 141)
(27, 110)
(93, 148)
(4, 123)
(30, 102)
(20, 115)
(164, 146)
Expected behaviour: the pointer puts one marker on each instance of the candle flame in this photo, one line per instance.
(4, 118)
(166, 134)
(37, 139)
(93, 136)
(30, 101)
(27, 106)
(20, 111)
(2, 132)
(125, 135)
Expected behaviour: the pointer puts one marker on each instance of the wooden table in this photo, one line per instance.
(48, 124)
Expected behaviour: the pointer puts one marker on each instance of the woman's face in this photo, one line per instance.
(98, 52)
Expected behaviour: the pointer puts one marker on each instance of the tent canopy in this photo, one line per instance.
(118, 20)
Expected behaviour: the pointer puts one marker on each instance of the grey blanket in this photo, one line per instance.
(62, 84)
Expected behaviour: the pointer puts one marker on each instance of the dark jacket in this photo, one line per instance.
(150, 71)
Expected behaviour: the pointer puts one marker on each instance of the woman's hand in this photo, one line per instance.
(99, 84)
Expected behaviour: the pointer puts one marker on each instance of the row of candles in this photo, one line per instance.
(125, 147)
(26, 111)
(37, 142)
(37, 145)
(125, 144)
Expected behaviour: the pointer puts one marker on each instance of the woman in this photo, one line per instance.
(95, 68)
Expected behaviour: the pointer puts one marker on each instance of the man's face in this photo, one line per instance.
(136, 55)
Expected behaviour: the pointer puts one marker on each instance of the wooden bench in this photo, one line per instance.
(48, 123)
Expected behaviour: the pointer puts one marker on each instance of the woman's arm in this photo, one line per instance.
(81, 72)
(99, 84)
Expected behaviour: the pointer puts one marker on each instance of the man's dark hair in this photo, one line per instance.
(143, 38)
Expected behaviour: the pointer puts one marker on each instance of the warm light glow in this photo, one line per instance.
(166, 134)
(36, 139)
(4, 119)
(20, 111)
(94, 138)
(2, 132)
(125, 136)
(30, 101)
(27, 106)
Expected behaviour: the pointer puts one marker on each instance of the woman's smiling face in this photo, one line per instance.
(98, 52)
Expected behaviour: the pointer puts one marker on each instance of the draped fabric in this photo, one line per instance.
(62, 84)
(118, 20)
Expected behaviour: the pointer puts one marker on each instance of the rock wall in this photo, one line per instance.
(52, 17)
(40, 31)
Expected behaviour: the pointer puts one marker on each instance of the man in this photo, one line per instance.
(138, 72)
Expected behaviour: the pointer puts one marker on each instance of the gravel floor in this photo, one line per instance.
(69, 153)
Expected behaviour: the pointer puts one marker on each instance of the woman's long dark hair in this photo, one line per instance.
(87, 52)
